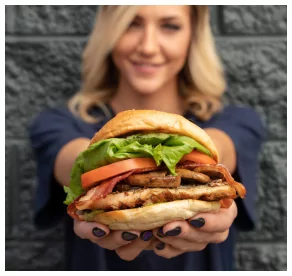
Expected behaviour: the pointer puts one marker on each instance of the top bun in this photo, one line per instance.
(146, 121)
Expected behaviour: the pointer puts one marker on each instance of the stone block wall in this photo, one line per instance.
(43, 47)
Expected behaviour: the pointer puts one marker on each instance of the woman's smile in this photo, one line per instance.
(146, 68)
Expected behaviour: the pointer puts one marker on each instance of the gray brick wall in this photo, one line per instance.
(43, 46)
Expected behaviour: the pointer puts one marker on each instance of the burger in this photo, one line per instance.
(145, 168)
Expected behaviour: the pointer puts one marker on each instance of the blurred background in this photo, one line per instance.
(43, 49)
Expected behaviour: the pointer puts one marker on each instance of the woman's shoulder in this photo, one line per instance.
(229, 114)
(234, 119)
(60, 119)
(241, 114)
(239, 120)
(63, 113)
(52, 113)
(237, 110)
(58, 115)
(53, 119)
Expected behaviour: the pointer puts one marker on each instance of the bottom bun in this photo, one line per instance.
(156, 215)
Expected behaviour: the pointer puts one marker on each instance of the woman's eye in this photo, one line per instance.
(173, 27)
(134, 24)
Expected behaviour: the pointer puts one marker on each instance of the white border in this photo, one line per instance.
(2, 100)
(147, 2)
(288, 131)
(2, 95)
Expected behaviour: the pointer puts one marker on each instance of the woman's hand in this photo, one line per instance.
(169, 241)
(178, 237)
(127, 244)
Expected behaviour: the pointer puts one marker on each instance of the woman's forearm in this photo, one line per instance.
(66, 158)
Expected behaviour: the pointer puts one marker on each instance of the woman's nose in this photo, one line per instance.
(148, 44)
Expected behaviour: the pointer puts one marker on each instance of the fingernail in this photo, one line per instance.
(160, 246)
(127, 236)
(98, 232)
(160, 233)
(198, 222)
(174, 232)
(146, 235)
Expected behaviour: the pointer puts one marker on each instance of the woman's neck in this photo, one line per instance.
(167, 99)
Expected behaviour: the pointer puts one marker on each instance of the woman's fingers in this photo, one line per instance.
(90, 230)
(215, 222)
(130, 251)
(169, 241)
(198, 231)
(118, 238)
(101, 234)
(184, 245)
(165, 250)
(151, 244)
(127, 244)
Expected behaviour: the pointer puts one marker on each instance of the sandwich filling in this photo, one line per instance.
(160, 148)
(145, 169)
(135, 189)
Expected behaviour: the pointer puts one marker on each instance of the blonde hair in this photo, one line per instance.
(201, 80)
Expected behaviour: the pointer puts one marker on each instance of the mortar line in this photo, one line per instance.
(13, 189)
(220, 18)
(11, 141)
(262, 242)
(47, 38)
(11, 19)
(214, 19)
(250, 38)
(30, 240)
(83, 38)
(249, 243)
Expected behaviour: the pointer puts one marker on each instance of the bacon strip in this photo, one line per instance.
(72, 210)
(102, 190)
(240, 189)
(106, 187)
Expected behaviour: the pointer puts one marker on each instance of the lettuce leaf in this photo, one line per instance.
(166, 148)
(89, 215)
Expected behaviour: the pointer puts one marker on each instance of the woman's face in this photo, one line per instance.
(153, 50)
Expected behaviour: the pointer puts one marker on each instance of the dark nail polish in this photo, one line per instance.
(198, 222)
(160, 246)
(160, 233)
(174, 232)
(127, 236)
(98, 232)
(146, 235)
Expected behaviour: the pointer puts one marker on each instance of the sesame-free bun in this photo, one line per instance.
(147, 121)
(156, 215)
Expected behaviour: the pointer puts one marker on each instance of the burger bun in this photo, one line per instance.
(155, 215)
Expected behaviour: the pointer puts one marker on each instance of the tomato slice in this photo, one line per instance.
(226, 202)
(88, 179)
(198, 157)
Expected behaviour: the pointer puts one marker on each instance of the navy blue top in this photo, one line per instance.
(53, 128)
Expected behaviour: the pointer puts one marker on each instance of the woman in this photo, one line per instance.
(148, 57)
